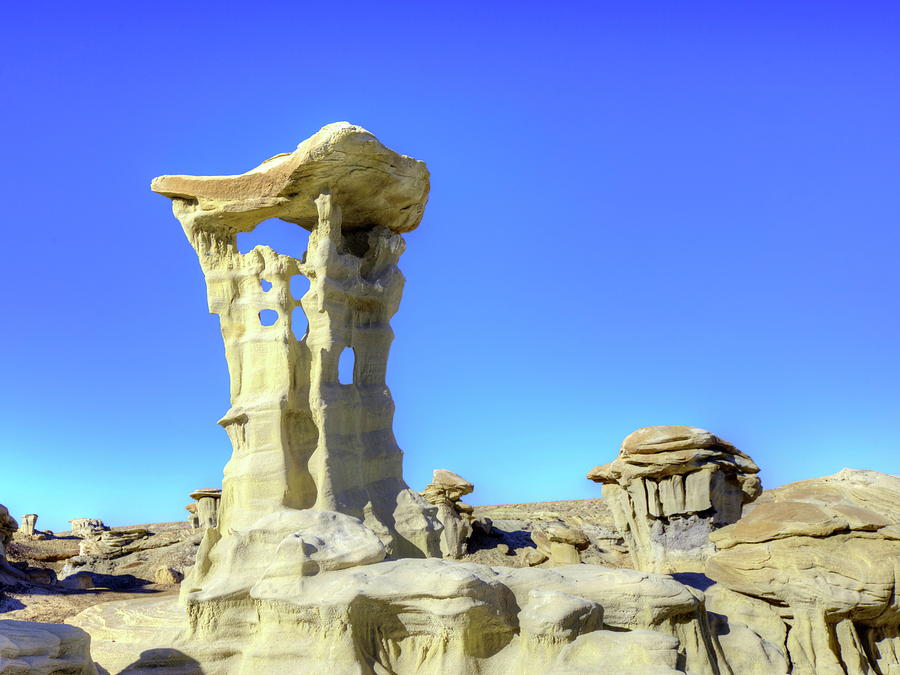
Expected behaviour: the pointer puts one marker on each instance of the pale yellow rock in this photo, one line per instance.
(822, 556)
(669, 488)
(418, 616)
(167, 575)
(32, 648)
(207, 507)
(560, 543)
(305, 570)
(302, 439)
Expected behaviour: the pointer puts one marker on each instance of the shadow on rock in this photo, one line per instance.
(696, 580)
(163, 661)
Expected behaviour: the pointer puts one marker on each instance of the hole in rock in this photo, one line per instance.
(346, 361)
(299, 323)
(268, 317)
(299, 286)
(266, 285)
(281, 236)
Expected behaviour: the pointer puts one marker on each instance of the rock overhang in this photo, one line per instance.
(373, 185)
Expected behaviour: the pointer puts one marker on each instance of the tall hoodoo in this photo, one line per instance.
(301, 438)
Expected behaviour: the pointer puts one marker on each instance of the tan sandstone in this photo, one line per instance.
(669, 488)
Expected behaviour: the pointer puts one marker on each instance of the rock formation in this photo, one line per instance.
(82, 527)
(29, 521)
(207, 509)
(302, 439)
(193, 518)
(810, 576)
(30, 648)
(669, 488)
(558, 543)
(112, 543)
(446, 491)
(8, 526)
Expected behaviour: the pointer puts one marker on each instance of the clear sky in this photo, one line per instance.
(641, 213)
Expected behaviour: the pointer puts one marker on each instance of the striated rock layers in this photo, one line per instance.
(302, 439)
(669, 488)
(810, 578)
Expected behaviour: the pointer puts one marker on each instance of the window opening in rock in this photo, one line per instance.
(266, 285)
(268, 317)
(279, 235)
(346, 361)
(299, 286)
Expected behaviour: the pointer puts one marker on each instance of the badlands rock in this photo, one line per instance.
(207, 507)
(167, 575)
(113, 543)
(813, 570)
(669, 488)
(87, 526)
(193, 518)
(30, 648)
(559, 543)
(424, 616)
(9, 575)
(445, 491)
(303, 439)
(29, 521)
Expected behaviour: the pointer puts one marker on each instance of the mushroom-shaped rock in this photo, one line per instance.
(560, 543)
(374, 186)
(193, 518)
(207, 506)
(815, 563)
(669, 487)
(445, 491)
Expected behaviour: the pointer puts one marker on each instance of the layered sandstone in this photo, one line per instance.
(813, 571)
(303, 439)
(669, 488)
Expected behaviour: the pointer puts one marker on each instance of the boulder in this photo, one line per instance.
(669, 488)
(167, 575)
(31, 648)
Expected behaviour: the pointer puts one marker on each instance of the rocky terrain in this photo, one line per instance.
(316, 556)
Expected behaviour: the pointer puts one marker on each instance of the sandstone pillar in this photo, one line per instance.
(29, 520)
(207, 511)
(301, 438)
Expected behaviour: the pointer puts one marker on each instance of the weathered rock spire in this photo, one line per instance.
(302, 439)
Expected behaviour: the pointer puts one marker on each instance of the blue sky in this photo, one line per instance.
(641, 213)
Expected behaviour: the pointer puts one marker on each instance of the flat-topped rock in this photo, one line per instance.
(214, 493)
(669, 487)
(374, 185)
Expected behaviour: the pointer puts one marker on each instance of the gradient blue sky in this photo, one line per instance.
(641, 213)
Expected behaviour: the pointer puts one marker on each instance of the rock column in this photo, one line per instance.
(29, 521)
(302, 438)
(669, 488)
